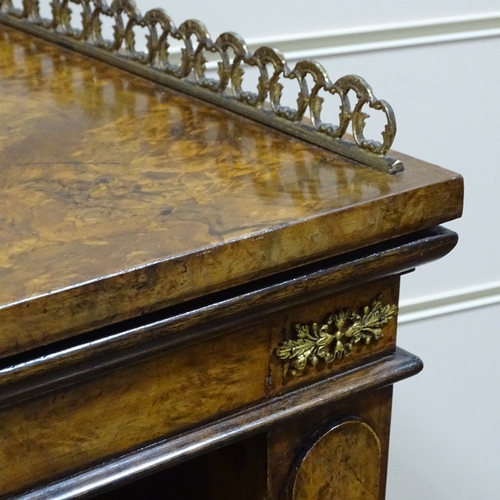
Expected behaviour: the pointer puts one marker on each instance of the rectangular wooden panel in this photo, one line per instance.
(355, 300)
(73, 428)
(122, 197)
(131, 406)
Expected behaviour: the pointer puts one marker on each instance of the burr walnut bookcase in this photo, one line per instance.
(198, 285)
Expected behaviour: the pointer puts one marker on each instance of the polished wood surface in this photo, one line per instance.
(308, 408)
(237, 471)
(155, 253)
(291, 445)
(121, 197)
(172, 392)
(343, 463)
(172, 375)
(131, 407)
(221, 313)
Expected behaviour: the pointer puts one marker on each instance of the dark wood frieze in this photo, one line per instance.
(380, 373)
(82, 357)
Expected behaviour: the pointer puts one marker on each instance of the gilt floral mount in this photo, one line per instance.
(78, 24)
(335, 338)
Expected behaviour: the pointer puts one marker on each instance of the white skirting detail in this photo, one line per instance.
(366, 39)
(390, 36)
(448, 303)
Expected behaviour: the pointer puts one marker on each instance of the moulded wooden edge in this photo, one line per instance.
(65, 364)
(258, 418)
(110, 300)
(49, 322)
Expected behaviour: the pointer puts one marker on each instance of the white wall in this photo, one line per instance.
(446, 102)
(281, 18)
(445, 433)
(445, 444)
(436, 62)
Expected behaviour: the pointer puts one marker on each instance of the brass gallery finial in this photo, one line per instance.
(262, 104)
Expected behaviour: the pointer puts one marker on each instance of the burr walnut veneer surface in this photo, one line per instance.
(193, 304)
(123, 197)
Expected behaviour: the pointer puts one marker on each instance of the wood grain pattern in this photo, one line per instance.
(284, 414)
(216, 315)
(235, 472)
(81, 425)
(280, 376)
(121, 197)
(171, 392)
(154, 251)
(343, 464)
(290, 442)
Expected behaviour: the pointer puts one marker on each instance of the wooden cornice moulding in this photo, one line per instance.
(189, 75)
(130, 343)
(258, 418)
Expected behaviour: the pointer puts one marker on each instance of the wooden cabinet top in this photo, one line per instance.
(121, 197)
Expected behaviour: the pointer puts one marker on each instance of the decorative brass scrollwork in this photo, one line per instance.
(190, 76)
(335, 338)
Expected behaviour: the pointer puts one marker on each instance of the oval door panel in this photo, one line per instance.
(343, 463)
